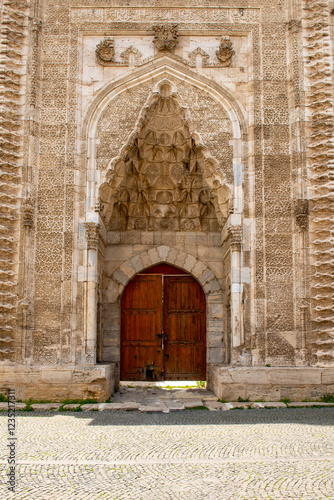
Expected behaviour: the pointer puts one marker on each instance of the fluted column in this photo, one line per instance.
(92, 238)
(237, 330)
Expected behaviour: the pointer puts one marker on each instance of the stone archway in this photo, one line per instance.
(214, 202)
(115, 285)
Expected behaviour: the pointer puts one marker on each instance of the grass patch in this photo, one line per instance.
(198, 408)
(327, 398)
(222, 400)
(285, 400)
(74, 402)
(243, 400)
(3, 399)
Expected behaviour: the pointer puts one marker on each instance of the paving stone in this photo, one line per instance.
(71, 406)
(129, 405)
(18, 406)
(286, 454)
(46, 406)
(309, 403)
(217, 406)
(152, 408)
(173, 405)
(192, 403)
(90, 407)
(268, 405)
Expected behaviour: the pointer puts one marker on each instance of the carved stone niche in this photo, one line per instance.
(164, 179)
(105, 51)
(165, 37)
(225, 52)
(301, 213)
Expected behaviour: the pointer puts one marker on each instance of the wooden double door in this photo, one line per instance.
(163, 327)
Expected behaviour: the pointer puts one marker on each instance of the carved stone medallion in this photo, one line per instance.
(225, 52)
(165, 37)
(105, 51)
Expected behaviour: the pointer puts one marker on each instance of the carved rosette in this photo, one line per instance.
(225, 52)
(301, 213)
(235, 237)
(92, 235)
(105, 51)
(165, 37)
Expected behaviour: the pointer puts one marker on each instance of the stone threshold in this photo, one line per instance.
(164, 408)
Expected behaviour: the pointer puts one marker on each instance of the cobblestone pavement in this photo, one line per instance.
(193, 454)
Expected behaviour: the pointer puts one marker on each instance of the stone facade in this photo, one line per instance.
(198, 134)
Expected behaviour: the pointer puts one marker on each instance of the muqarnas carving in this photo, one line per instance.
(105, 51)
(165, 37)
(159, 182)
(225, 52)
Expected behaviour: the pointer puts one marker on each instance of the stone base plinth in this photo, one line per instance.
(270, 384)
(56, 383)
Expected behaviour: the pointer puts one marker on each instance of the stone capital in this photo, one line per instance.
(92, 234)
(235, 237)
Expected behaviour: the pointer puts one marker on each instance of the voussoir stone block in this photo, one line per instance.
(163, 251)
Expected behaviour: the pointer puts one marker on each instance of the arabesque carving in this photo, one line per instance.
(92, 234)
(159, 181)
(165, 37)
(225, 52)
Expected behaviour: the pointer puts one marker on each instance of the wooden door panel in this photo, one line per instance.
(185, 325)
(141, 308)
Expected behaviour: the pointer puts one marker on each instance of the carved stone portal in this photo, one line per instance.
(160, 182)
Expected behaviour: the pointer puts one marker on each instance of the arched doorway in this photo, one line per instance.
(163, 326)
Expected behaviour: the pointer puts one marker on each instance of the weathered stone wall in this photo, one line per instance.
(256, 80)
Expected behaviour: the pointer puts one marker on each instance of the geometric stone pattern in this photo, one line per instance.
(128, 455)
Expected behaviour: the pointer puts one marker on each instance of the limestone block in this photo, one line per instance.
(264, 392)
(327, 376)
(233, 392)
(198, 268)
(172, 256)
(56, 376)
(120, 277)
(189, 263)
(253, 376)
(45, 406)
(71, 406)
(216, 310)
(295, 393)
(206, 276)
(215, 354)
(211, 286)
(154, 256)
(295, 376)
(136, 263)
